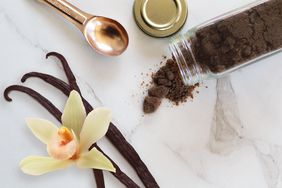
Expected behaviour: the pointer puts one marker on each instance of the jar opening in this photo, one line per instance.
(191, 72)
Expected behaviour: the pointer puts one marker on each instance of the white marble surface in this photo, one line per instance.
(229, 136)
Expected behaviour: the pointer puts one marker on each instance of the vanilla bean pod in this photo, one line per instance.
(121, 176)
(99, 176)
(39, 98)
(70, 76)
(114, 135)
(57, 83)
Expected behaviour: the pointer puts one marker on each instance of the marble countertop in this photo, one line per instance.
(229, 136)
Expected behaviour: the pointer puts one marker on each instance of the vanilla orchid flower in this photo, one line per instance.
(70, 143)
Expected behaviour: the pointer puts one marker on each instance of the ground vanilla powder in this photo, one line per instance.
(240, 38)
(167, 83)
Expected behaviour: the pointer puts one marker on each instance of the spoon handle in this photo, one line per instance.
(69, 11)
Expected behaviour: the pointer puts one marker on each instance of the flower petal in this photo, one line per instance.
(95, 127)
(95, 159)
(35, 165)
(42, 129)
(74, 113)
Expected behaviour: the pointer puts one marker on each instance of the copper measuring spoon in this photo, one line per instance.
(106, 36)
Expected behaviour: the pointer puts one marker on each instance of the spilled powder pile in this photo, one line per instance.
(167, 83)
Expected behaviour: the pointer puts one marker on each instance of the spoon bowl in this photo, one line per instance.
(107, 36)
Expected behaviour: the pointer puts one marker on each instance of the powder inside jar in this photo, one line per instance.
(242, 37)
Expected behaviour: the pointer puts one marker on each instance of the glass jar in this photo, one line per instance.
(229, 42)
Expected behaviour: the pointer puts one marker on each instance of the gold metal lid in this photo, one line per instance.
(160, 18)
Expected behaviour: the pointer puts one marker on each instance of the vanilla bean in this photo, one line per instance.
(130, 154)
(113, 134)
(99, 176)
(70, 76)
(121, 176)
(35, 95)
(55, 82)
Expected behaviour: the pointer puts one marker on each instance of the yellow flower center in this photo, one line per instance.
(63, 145)
(65, 134)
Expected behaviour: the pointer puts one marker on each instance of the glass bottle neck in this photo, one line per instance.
(191, 71)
